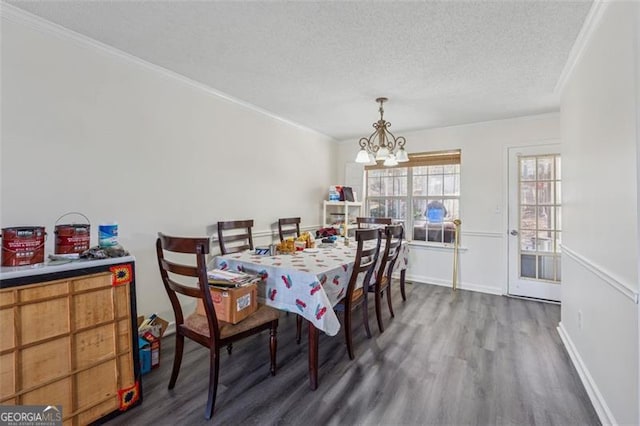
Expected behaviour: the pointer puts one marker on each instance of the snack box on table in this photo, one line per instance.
(232, 304)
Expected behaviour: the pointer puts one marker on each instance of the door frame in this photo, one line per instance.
(550, 144)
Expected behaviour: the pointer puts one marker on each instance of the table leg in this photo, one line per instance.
(402, 274)
(313, 356)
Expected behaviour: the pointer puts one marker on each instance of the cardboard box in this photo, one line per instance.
(154, 343)
(158, 327)
(150, 331)
(232, 304)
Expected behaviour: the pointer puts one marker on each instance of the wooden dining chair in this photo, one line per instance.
(289, 226)
(207, 330)
(366, 222)
(239, 237)
(366, 258)
(393, 235)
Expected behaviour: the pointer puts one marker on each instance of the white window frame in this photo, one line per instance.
(409, 219)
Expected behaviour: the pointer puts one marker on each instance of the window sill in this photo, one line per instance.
(433, 245)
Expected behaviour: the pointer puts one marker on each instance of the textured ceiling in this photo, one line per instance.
(322, 64)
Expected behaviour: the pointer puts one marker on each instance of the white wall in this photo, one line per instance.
(88, 130)
(483, 196)
(600, 263)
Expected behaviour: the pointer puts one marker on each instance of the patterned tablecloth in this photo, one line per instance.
(307, 282)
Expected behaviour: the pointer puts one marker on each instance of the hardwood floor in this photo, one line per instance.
(445, 359)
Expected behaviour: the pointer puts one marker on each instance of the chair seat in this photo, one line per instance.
(357, 293)
(384, 283)
(264, 314)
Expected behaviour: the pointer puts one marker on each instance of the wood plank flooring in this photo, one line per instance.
(445, 359)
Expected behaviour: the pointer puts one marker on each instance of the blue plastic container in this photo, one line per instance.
(108, 234)
(145, 355)
(435, 215)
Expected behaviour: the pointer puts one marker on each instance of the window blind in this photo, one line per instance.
(436, 158)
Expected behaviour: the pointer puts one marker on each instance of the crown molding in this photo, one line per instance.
(591, 23)
(16, 15)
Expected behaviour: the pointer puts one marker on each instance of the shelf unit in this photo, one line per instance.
(335, 212)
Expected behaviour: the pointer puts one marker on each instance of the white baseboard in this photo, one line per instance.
(461, 285)
(599, 404)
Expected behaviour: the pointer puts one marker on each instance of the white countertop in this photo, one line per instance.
(10, 272)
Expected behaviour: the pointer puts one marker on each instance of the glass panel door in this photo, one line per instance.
(535, 229)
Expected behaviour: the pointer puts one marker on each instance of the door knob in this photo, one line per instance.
(514, 232)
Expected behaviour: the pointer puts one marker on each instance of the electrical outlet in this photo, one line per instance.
(580, 319)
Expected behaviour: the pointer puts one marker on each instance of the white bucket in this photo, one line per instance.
(108, 234)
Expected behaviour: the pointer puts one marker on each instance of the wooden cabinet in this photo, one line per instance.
(69, 337)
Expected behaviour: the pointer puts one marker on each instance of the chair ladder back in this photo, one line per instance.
(361, 221)
(286, 227)
(393, 236)
(179, 268)
(366, 258)
(245, 236)
(198, 247)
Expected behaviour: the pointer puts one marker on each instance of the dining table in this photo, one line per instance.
(309, 283)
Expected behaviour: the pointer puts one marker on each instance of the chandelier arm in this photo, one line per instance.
(364, 143)
(367, 142)
(394, 141)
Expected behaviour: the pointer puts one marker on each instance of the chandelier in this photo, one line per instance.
(382, 144)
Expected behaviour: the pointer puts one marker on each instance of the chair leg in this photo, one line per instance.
(214, 364)
(347, 331)
(378, 296)
(389, 300)
(177, 360)
(273, 345)
(298, 329)
(365, 315)
(229, 348)
(402, 277)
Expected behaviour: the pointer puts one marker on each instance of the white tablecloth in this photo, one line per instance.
(307, 282)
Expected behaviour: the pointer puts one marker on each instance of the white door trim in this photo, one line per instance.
(550, 142)
(523, 286)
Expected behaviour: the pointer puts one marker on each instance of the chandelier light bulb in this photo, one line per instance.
(390, 161)
(401, 156)
(362, 157)
(372, 160)
(382, 154)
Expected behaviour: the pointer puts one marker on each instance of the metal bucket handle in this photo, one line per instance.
(70, 213)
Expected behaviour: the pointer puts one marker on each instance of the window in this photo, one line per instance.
(540, 217)
(423, 194)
